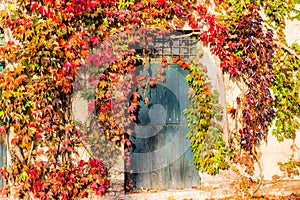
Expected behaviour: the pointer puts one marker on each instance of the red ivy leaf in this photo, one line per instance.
(161, 2)
(103, 109)
(43, 10)
(3, 129)
(91, 106)
(94, 40)
(83, 194)
(92, 4)
(33, 6)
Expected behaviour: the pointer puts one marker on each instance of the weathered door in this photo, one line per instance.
(161, 156)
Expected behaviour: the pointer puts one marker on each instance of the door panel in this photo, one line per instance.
(161, 157)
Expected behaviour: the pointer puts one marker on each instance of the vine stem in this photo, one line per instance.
(258, 161)
(291, 51)
(31, 196)
(7, 142)
(57, 154)
(88, 151)
(30, 152)
(261, 177)
(280, 44)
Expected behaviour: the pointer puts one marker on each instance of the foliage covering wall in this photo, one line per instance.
(49, 41)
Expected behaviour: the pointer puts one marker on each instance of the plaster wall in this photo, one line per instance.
(115, 165)
(272, 150)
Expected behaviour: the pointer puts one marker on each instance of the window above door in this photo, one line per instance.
(170, 45)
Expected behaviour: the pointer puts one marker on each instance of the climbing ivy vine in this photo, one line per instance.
(51, 41)
(203, 115)
(268, 67)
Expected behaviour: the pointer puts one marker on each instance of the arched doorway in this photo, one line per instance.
(161, 156)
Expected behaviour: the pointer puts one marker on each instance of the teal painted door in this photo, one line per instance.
(161, 157)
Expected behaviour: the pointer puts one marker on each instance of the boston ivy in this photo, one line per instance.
(203, 115)
(51, 40)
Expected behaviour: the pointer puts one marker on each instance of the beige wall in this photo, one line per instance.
(272, 151)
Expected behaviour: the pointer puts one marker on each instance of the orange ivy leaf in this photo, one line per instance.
(102, 84)
(68, 127)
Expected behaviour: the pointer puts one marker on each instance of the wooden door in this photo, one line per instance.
(161, 157)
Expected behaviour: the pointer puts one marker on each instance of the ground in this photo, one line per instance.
(284, 189)
(280, 190)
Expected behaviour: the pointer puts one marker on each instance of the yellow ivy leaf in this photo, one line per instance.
(102, 84)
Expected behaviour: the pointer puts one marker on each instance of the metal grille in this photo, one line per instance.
(178, 43)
